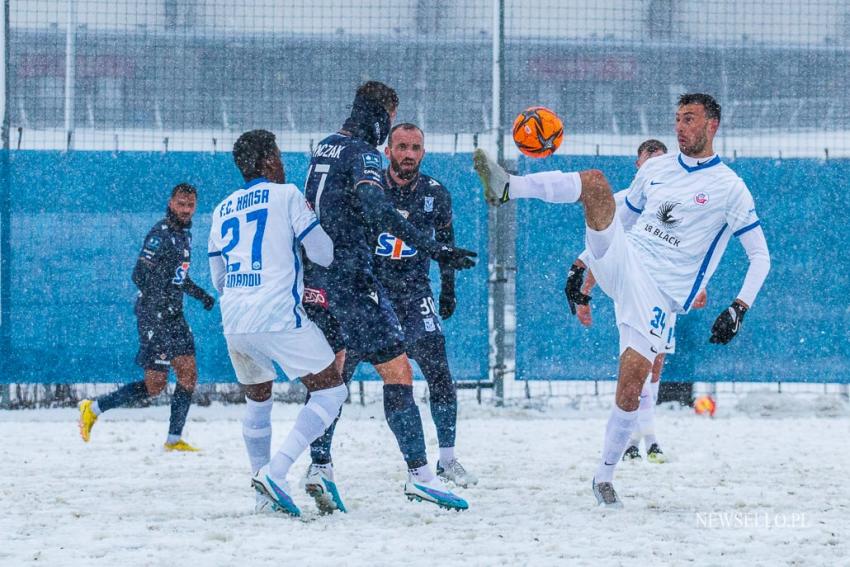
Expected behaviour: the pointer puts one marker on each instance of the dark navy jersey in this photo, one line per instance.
(162, 271)
(345, 188)
(400, 267)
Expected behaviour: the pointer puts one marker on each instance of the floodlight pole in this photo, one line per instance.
(70, 72)
(5, 219)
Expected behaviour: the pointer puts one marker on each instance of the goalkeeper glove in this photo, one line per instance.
(455, 258)
(572, 289)
(728, 324)
(208, 301)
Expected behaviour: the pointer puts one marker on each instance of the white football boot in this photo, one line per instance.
(319, 483)
(455, 472)
(277, 491)
(434, 491)
(493, 176)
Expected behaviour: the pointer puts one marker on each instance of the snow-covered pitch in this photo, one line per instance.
(743, 489)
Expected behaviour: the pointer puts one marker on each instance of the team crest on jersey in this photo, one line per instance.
(180, 273)
(701, 198)
(394, 248)
(371, 161)
(429, 204)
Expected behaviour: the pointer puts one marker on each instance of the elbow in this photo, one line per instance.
(323, 258)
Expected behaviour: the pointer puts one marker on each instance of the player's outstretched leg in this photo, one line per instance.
(501, 187)
(430, 354)
(90, 410)
(406, 424)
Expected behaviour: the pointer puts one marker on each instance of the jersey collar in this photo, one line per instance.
(695, 164)
(409, 186)
(253, 182)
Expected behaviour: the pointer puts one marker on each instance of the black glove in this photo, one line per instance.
(448, 302)
(455, 258)
(208, 301)
(572, 289)
(728, 324)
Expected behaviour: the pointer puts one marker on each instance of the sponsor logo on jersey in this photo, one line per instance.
(429, 204)
(153, 243)
(433, 183)
(701, 198)
(392, 247)
(180, 273)
(665, 214)
(316, 297)
(405, 214)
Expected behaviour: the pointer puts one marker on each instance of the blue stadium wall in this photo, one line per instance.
(77, 224)
(78, 220)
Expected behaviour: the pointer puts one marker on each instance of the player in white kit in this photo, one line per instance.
(255, 261)
(656, 254)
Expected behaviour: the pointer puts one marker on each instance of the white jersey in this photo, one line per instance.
(255, 234)
(687, 215)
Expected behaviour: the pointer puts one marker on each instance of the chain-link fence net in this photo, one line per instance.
(190, 74)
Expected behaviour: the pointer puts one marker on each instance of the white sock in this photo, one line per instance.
(598, 241)
(311, 422)
(172, 439)
(95, 408)
(423, 473)
(257, 432)
(549, 186)
(646, 413)
(617, 432)
(655, 386)
(447, 455)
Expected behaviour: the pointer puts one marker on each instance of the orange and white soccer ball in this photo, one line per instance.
(705, 405)
(538, 132)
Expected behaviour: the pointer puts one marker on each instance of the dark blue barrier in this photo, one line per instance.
(798, 330)
(77, 224)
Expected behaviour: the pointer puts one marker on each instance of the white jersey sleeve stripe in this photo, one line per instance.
(703, 267)
(295, 281)
(747, 228)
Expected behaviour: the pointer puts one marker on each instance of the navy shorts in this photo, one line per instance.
(418, 317)
(160, 340)
(368, 323)
(316, 306)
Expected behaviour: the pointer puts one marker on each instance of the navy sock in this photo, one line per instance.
(126, 395)
(405, 423)
(180, 402)
(320, 449)
(430, 354)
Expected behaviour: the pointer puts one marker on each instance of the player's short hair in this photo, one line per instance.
(405, 126)
(379, 93)
(184, 188)
(651, 146)
(251, 149)
(711, 106)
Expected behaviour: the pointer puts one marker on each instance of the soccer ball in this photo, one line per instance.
(538, 132)
(705, 405)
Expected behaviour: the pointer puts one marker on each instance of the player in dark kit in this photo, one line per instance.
(405, 275)
(345, 186)
(165, 339)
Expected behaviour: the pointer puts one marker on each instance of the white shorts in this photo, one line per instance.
(646, 317)
(297, 351)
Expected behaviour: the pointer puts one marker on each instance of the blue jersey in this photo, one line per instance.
(400, 267)
(345, 188)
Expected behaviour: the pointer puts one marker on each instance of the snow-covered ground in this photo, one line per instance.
(757, 485)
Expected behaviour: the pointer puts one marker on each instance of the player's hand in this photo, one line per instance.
(447, 303)
(572, 289)
(208, 301)
(700, 300)
(728, 323)
(455, 258)
(584, 315)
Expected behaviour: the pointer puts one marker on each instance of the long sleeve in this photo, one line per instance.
(755, 246)
(318, 246)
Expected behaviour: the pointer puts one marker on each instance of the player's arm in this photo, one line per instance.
(742, 214)
(368, 182)
(218, 267)
(445, 234)
(633, 200)
(192, 289)
(144, 272)
(307, 231)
